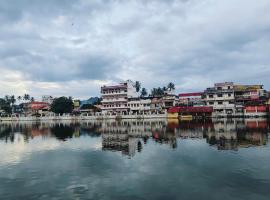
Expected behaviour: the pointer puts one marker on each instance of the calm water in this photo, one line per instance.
(135, 160)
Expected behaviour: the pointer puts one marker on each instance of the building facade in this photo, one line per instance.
(221, 98)
(139, 105)
(191, 99)
(229, 99)
(115, 97)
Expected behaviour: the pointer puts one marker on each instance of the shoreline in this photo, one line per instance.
(122, 117)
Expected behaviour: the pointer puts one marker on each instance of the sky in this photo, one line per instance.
(71, 48)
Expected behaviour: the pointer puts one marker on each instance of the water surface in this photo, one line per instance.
(222, 159)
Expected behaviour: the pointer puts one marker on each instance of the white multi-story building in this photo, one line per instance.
(139, 105)
(115, 97)
(221, 98)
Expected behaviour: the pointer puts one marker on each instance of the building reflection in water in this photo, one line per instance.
(130, 137)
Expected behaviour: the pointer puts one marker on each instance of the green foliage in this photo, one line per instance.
(143, 92)
(157, 91)
(5, 105)
(26, 97)
(171, 86)
(137, 86)
(62, 105)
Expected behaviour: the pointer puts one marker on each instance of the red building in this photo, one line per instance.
(190, 110)
(39, 105)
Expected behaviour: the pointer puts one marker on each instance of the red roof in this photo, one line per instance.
(173, 110)
(190, 94)
(39, 105)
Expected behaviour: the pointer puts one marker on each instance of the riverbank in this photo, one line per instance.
(83, 117)
(116, 117)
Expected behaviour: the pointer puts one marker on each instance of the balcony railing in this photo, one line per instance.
(214, 90)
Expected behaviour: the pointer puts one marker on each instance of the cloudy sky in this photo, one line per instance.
(72, 47)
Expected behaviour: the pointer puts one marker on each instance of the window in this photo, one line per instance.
(219, 88)
(220, 95)
(220, 103)
(211, 103)
(211, 96)
(229, 95)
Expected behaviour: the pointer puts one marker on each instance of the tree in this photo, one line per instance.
(62, 105)
(154, 92)
(26, 97)
(7, 99)
(171, 86)
(160, 91)
(137, 86)
(62, 132)
(12, 100)
(32, 99)
(143, 92)
(5, 106)
(164, 89)
(19, 98)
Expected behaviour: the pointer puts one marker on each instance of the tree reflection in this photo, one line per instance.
(129, 137)
(62, 132)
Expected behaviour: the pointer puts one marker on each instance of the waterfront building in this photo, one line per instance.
(156, 105)
(115, 97)
(221, 98)
(89, 109)
(191, 99)
(190, 112)
(229, 99)
(255, 110)
(163, 103)
(139, 105)
(248, 93)
(169, 100)
(36, 108)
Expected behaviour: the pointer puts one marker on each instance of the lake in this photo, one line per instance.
(126, 160)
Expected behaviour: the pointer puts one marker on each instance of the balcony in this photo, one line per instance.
(214, 91)
(115, 93)
(114, 100)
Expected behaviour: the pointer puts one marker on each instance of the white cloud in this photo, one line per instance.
(70, 48)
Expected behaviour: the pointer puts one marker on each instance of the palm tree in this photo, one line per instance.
(32, 99)
(143, 92)
(7, 98)
(164, 89)
(26, 97)
(160, 91)
(137, 86)
(171, 86)
(19, 98)
(154, 92)
(12, 99)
